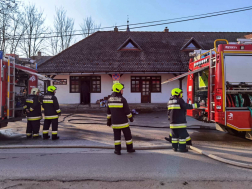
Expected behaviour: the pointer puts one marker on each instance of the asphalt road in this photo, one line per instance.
(96, 168)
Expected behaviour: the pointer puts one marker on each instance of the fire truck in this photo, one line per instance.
(16, 82)
(222, 78)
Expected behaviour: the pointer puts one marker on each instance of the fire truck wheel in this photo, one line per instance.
(236, 133)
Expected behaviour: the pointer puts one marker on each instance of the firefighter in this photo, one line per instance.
(33, 109)
(52, 112)
(177, 113)
(118, 113)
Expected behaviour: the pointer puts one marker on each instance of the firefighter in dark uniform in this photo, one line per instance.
(52, 112)
(118, 113)
(33, 109)
(177, 113)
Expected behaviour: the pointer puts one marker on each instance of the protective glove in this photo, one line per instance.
(169, 118)
(109, 122)
(131, 119)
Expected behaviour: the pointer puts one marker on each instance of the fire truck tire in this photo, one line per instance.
(3, 125)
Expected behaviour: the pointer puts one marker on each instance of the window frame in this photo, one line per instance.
(91, 84)
(91, 79)
(70, 84)
(151, 84)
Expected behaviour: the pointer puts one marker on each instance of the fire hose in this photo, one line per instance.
(211, 156)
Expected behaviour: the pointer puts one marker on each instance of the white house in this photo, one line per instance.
(84, 72)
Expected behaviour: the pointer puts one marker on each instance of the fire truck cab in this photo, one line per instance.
(16, 82)
(222, 79)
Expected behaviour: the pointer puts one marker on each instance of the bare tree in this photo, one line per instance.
(88, 26)
(7, 8)
(63, 26)
(34, 38)
(17, 30)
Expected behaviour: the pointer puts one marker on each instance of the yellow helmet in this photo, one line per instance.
(34, 91)
(176, 92)
(51, 88)
(117, 87)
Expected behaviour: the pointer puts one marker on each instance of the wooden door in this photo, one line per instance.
(145, 91)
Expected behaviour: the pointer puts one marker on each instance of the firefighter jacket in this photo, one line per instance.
(177, 112)
(51, 106)
(32, 104)
(118, 111)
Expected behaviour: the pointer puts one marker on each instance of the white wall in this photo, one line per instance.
(65, 97)
(130, 97)
(106, 88)
(63, 92)
(162, 97)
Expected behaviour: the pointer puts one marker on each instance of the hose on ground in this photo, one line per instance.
(223, 160)
(214, 157)
(145, 126)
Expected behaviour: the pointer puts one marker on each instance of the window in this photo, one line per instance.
(137, 83)
(95, 83)
(74, 84)
(191, 46)
(59, 82)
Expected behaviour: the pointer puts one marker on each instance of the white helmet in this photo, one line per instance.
(34, 91)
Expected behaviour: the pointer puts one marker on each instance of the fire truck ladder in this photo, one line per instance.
(212, 67)
(11, 88)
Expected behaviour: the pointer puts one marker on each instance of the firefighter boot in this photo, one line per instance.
(183, 150)
(55, 137)
(28, 135)
(117, 152)
(36, 136)
(131, 150)
(175, 149)
(46, 136)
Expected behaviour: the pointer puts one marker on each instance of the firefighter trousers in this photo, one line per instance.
(188, 139)
(128, 138)
(33, 128)
(179, 137)
(47, 124)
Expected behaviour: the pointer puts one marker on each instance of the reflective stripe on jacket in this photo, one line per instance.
(118, 111)
(51, 106)
(32, 104)
(177, 112)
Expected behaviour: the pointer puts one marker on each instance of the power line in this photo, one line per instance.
(197, 18)
(109, 27)
(193, 18)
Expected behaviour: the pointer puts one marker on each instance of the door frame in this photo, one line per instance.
(83, 78)
(141, 83)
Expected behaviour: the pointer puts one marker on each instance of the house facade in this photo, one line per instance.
(139, 60)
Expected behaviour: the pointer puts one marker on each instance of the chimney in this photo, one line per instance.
(39, 54)
(166, 29)
(115, 29)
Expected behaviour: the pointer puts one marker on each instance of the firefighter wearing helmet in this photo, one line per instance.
(177, 116)
(33, 109)
(52, 112)
(118, 113)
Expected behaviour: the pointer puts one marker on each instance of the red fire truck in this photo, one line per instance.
(222, 77)
(16, 82)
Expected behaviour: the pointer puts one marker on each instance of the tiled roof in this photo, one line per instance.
(160, 52)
